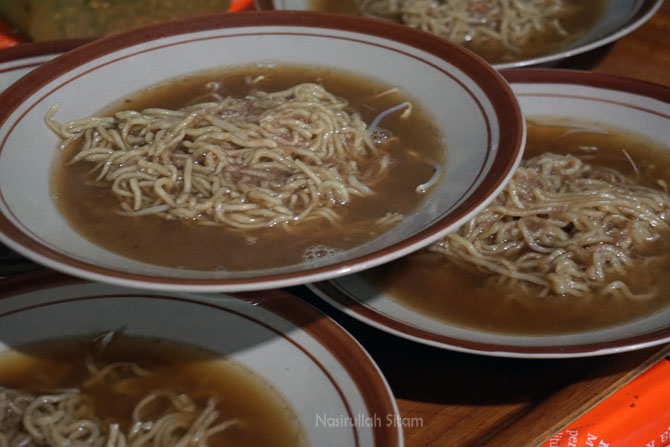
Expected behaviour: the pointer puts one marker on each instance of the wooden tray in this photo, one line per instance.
(449, 399)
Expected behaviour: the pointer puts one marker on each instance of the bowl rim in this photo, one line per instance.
(34, 49)
(498, 92)
(607, 81)
(343, 301)
(331, 336)
(646, 10)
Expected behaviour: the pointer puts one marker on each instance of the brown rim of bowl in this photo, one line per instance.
(369, 380)
(588, 79)
(34, 49)
(342, 300)
(503, 101)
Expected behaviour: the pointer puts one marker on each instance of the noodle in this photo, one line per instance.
(262, 160)
(119, 391)
(254, 173)
(563, 226)
(66, 419)
(513, 23)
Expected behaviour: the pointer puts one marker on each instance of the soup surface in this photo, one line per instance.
(473, 300)
(576, 18)
(265, 418)
(415, 147)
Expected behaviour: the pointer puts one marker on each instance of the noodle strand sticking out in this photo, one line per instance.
(565, 227)
(510, 22)
(67, 419)
(262, 160)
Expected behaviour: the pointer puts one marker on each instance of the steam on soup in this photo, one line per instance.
(137, 392)
(498, 30)
(217, 170)
(577, 240)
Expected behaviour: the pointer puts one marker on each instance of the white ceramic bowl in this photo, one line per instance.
(308, 358)
(619, 18)
(19, 60)
(632, 106)
(469, 101)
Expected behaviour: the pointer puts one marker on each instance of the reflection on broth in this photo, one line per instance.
(593, 259)
(497, 30)
(137, 392)
(216, 170)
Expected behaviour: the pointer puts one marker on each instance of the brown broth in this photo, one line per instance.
(180, 243)
(582, 16)
(419, 281)
(266, 416)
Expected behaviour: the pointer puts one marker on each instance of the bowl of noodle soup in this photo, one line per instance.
(265, 166)
(507, 33)
(570, 259)
(117, 366)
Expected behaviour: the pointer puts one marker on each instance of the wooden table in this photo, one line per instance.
(475, 401)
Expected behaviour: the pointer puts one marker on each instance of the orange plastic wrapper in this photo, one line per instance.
(637, 415)
(6, 37)
(241, 5)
